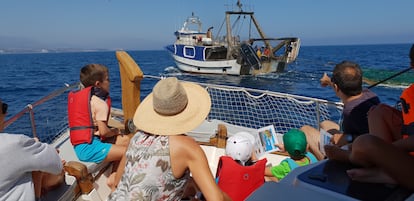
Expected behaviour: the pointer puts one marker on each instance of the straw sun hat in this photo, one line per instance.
(172, 108)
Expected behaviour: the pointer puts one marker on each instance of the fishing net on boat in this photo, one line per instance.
(255, 108)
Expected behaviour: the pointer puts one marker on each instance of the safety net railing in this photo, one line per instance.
(253, 108)
(246, 107)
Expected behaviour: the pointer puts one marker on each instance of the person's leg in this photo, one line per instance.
(338, 138)
(370, 175)
(115, 155)
(52, 181)
(385, 122)
(336, 153)
(122, 140)
(37, 183)
(313, 137)
(330, 125)
(372, 152)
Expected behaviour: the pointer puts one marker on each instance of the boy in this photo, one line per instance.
(237, 174)
(294, 142)
(88, 111)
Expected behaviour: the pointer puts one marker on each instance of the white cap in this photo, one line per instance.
(240, 146)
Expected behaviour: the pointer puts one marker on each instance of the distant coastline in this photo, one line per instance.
(52, 50)
(68, 50)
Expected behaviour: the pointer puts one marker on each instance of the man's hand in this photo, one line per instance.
(325, 80)
(339, 139)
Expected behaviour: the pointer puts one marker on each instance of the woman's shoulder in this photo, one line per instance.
(183, 140)
(185, 144)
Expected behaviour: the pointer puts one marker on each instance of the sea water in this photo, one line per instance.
(26, 78)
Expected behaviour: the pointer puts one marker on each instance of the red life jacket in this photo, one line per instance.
(80, 116)
(407, 103)
(239, 181)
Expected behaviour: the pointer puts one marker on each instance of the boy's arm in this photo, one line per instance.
(269, 176)
(105, 131)
(267, 172)
(101, 111)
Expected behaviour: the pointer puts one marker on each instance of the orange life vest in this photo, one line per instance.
(407, 103)
(239, 181)
(80, 116)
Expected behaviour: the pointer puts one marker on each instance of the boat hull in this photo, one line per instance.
(194, 59)
(229, 67)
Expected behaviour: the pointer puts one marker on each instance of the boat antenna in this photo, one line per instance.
(239, 5)
(399, 73)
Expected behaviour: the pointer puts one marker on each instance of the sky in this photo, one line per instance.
(149, 25)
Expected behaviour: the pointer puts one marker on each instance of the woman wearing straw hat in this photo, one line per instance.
(160, 156)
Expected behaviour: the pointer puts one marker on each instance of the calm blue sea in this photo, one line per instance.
(26, 78)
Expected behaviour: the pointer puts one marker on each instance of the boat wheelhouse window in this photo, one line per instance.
(189, 51)
(216, 53)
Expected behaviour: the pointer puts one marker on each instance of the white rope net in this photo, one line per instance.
(256, 108)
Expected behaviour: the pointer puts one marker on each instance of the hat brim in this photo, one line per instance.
(196, 111)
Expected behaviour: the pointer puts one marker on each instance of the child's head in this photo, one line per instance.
(240, 147)
(92, 73)
(295, 143)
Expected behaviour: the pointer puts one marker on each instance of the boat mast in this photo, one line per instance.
(229, 36)
(230, 40)
(261, 33)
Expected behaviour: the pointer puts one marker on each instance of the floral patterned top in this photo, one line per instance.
(148, 174)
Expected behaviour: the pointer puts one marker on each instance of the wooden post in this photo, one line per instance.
(131, 76)
(80, 172)
(221, 136)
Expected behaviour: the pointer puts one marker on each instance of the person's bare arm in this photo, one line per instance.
(105, 131)
(325, 80)
(269, 176)
(187, 154)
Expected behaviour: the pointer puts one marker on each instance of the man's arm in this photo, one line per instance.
(39, 156)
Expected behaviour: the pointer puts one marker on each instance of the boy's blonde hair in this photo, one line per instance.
(91, 73)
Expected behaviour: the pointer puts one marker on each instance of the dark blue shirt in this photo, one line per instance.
(355, 117)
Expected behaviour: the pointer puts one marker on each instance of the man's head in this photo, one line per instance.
(3, 112)
(347, 76)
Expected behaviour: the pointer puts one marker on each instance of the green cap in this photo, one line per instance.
(295, 143)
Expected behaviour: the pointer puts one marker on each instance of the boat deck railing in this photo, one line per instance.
(45, 119)
(251, 108)
(255, 108)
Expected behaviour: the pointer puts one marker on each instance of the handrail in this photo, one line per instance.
(249, 90)
(29, 107)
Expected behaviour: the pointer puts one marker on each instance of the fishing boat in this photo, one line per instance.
(234, 109)
(196, 51)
